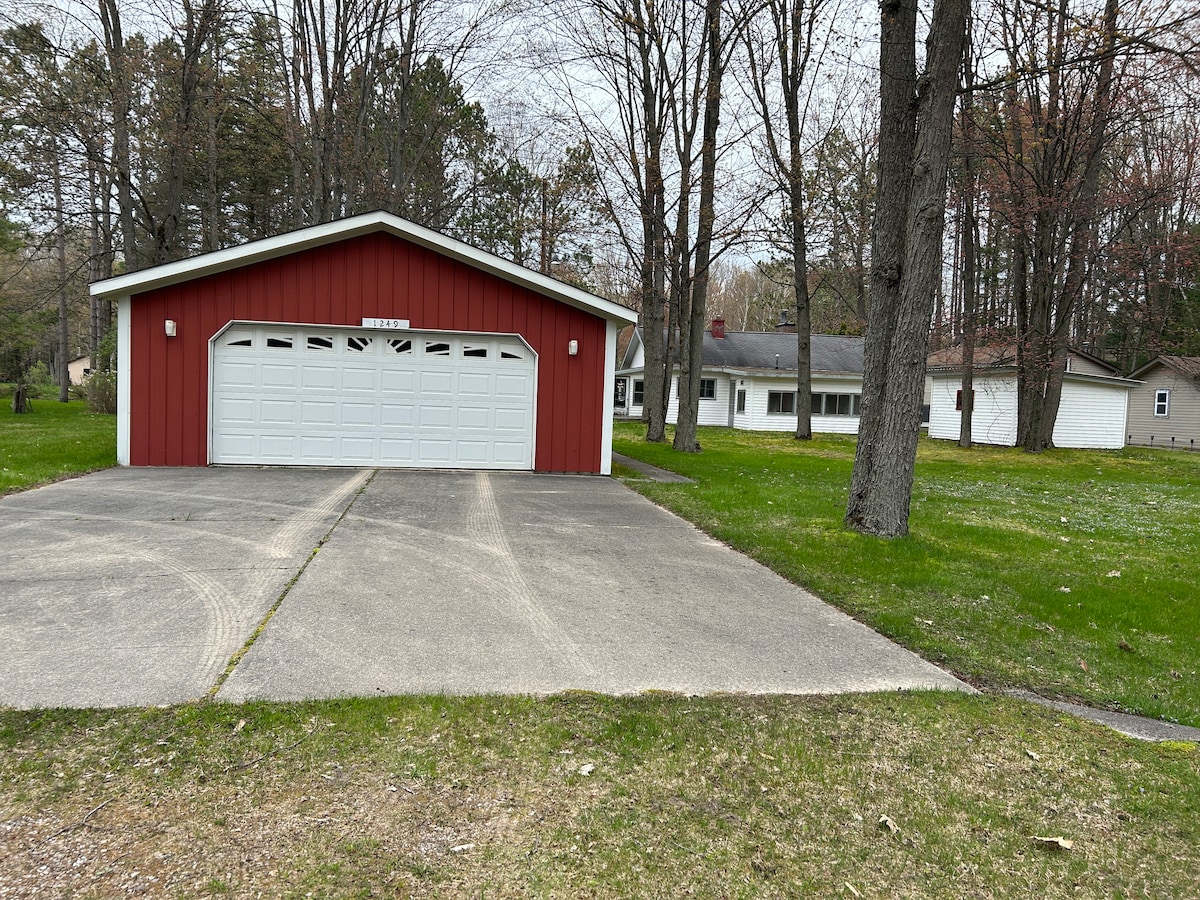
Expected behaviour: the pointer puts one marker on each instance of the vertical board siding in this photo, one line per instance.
(375, 275)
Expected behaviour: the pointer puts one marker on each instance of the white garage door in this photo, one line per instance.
(305, 396)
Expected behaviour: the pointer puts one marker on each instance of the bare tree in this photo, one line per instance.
(780, 55)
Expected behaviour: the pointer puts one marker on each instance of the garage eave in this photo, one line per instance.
(331, 232)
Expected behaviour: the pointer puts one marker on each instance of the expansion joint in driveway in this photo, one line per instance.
(254, 635)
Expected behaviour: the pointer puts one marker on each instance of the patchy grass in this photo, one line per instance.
(1070, 573)
(54, 441)
(578, 795)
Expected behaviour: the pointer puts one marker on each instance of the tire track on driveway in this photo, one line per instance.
(487, 531)
(346, 493)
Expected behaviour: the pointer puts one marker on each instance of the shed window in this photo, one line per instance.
(511, 351)
(279, 343)
(639, 392)
(437, 348)
(781, 403)
(741, 400)
(958, 400)
(1162, 403)
(239, 339)
(400, 346)
(358, 344)
(708, 389)
(475, 351)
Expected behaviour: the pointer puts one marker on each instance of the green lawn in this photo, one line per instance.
(54, 441)
(1071, 573)
(583, 796)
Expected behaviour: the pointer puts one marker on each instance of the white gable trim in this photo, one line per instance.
(331, 232)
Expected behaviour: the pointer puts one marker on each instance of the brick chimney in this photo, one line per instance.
(718, 329)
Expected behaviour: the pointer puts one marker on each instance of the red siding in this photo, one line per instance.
(376, 275)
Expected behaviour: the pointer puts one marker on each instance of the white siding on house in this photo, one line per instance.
(1091, 416)
(711, 412)
(756, 417)
(1182, 421)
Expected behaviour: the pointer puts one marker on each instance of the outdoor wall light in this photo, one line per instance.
(169, 327)
(572, 348)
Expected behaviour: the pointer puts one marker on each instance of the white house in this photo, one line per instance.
(748, 381)
(1091, 413)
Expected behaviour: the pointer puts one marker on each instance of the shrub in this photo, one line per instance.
(102, 392)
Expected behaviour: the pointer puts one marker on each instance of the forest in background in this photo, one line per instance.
(578, 138)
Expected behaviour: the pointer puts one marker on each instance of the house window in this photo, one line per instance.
(639, 392)
(1162, 403)
(781, 403)
(620, 392)
(836, 404)
(741, 401)
(708, 389)
(958, 400)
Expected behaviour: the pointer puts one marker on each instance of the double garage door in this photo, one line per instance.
(304, 395)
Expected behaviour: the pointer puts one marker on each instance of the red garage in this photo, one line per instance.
(369, 341)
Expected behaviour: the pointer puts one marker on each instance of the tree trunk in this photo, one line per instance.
(881, 484)
(685, 435)
(121, 96)
(897, 134)
(970, 229)
(60, 239)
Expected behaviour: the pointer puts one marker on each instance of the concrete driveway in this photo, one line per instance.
(138, 586)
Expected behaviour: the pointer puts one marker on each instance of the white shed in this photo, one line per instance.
(1091, 414)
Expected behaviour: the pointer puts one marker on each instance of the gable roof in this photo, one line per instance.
(998, 356)
(832, 354)
(1187, 366)
(343, 229)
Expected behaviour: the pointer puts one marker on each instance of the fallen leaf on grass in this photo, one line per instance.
(886, 822)
(1032, 755)
(462, 848)
(851, 889)
(1115, 573)
(1083, 665)
(587, 769)
(1053, 843)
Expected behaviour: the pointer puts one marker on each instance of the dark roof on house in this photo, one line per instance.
(1188, 366)
(758, 350)
(744, 350)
